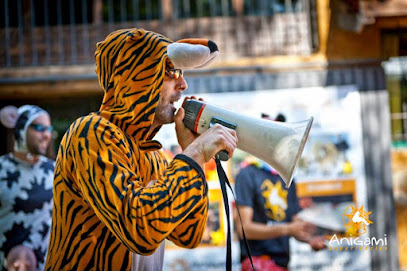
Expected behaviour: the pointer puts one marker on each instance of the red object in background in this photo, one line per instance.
(263, 262)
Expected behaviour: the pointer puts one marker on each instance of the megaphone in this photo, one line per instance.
(276, 143)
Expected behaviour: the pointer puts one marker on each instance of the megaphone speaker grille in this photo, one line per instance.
(192, 109)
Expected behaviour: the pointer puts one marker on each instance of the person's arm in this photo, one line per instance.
(200, 149)
(259, 231)
(141, 217)
(188, 233)
(317, 242)
(245, 188)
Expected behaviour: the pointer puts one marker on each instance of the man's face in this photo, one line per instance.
(38, 138)
(170, 93)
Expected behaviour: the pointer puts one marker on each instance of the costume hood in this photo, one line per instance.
(130, 65)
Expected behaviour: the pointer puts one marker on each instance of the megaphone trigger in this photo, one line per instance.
(222, 155)
(223, 122)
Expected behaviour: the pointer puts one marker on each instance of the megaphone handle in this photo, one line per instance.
(222, 155)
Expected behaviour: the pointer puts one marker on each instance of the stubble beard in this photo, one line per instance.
(37, 150)
(164, 115)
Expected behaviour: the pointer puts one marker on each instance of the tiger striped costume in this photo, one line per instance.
(103, 209)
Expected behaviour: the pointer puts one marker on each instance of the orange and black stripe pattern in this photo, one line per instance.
(103, 208)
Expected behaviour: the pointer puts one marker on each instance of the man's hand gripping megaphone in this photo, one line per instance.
(205, 146)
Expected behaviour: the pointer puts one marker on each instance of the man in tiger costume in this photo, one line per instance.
(114, 194)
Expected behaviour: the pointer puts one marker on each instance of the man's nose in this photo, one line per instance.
(182, 84)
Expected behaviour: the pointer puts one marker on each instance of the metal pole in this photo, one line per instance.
(85, 31)
(135, 10)
(60, 33)
(6, 25)
(20, 32)
(110, 14)
(122, 11)
(72, 27)
(47, 34)
(33, 34)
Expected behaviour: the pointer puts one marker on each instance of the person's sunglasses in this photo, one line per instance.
(41, 128)
(174, 73)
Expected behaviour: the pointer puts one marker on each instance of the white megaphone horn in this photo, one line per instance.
(276, 143)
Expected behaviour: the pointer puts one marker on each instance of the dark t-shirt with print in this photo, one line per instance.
(265, 192)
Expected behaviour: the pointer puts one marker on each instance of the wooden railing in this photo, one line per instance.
(34, 37)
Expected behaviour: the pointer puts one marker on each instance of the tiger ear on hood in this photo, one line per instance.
(190, 54)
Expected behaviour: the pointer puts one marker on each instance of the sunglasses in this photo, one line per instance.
(41, 128)
(174, 73)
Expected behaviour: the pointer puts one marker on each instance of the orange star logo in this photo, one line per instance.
(356, 219)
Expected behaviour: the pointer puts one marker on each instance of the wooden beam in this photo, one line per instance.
(50, 89)
(48, 71)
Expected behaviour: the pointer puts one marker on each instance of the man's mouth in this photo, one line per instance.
(174, 101)
(43, 144)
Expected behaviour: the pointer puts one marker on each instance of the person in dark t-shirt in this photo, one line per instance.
(268, 211)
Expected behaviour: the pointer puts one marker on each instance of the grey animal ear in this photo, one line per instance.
(9, 116)
(190, 56)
